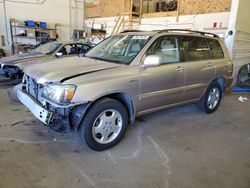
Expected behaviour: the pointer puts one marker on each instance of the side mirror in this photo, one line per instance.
(59, 54)
(152, 61)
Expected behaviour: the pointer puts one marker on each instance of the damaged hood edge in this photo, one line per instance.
(62, 70)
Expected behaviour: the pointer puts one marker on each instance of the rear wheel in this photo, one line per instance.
(211, 99)
(104, 125)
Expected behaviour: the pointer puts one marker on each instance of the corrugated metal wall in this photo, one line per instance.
(241, 51)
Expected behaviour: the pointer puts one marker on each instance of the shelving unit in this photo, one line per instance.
(24, 37)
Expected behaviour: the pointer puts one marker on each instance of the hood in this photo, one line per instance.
(15, 59)
(64, 69)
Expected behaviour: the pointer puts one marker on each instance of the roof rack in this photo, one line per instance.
(189, 31)
(127, 31)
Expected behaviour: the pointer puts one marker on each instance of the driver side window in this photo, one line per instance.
(69, 49)
(166, 48)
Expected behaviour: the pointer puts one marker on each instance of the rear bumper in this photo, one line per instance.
(229, 82)
(36, 108)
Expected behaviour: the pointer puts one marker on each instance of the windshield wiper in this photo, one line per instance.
(107, 60)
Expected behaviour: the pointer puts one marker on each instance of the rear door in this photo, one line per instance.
(162, 85)
(200, 69)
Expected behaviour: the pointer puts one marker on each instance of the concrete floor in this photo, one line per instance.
(178, 148)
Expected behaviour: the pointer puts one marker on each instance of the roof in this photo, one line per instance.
(179, 31)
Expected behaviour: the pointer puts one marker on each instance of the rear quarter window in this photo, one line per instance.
(215, 48)
(195, 48)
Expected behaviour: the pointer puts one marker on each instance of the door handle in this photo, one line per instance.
(210, 64)
(179, 69)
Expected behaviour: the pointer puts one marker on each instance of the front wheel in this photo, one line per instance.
(211, 99)
(104, 124)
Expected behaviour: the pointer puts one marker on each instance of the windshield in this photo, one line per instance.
(47, 48)
(120, 49)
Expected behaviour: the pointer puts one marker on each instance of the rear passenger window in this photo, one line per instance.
(166, 48)
(195, 48)
(215, 48)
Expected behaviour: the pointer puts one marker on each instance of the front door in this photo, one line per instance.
(162, 85)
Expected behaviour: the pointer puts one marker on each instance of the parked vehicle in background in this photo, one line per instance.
(125, 76)
(12, 67)
(244, 76)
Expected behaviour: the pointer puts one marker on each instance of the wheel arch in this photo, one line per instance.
(123, 98)
(221, 80)
(126, 100)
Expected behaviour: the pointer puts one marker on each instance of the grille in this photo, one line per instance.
(32, 87)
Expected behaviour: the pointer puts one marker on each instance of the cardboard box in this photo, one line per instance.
(31, 33)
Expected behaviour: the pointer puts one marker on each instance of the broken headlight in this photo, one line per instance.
(58, 93)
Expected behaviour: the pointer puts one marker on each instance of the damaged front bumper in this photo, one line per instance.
(41, 113)
(69, 115)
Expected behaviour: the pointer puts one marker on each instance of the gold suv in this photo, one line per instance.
(125, 76)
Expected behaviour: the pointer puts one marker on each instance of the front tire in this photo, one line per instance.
(211, 99)
(104, 125)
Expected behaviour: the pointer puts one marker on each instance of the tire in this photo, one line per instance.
(208, 104)
(104, 125)
(244, 76)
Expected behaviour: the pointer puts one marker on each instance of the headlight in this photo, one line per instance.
(58, 93)
(24, 79)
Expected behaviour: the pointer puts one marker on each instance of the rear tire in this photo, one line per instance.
(104, 125)
(211, 99)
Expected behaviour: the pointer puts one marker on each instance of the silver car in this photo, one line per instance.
(12, 67)
(125, 76)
